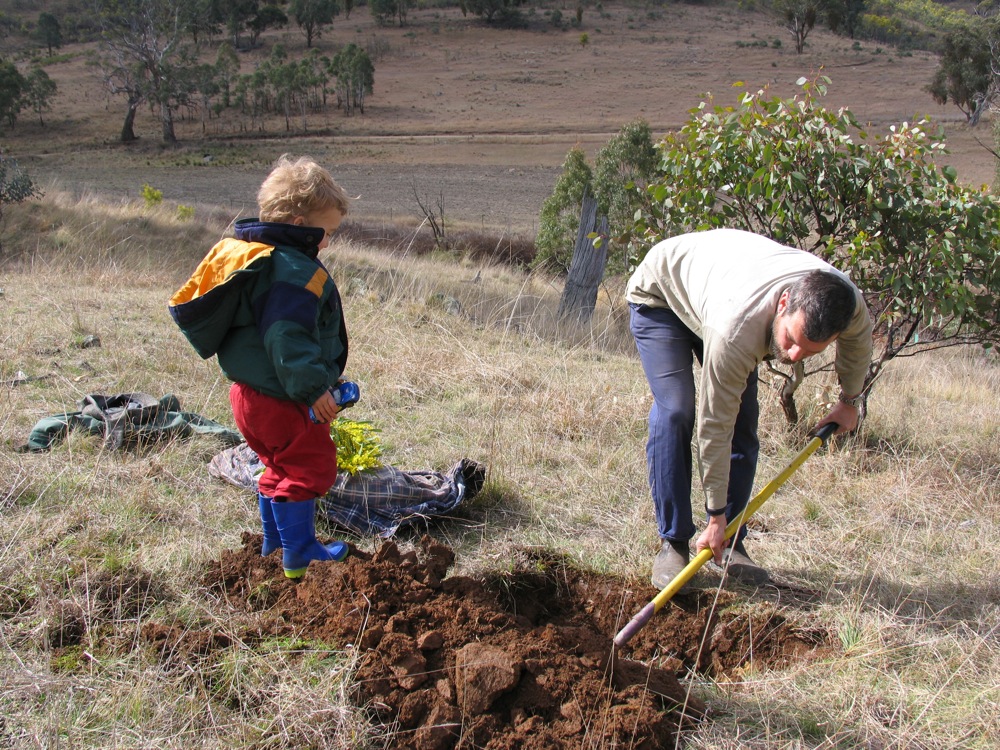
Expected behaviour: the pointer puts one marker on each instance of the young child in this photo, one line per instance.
(265, 305)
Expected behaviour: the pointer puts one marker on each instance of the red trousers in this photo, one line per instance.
(300, 457)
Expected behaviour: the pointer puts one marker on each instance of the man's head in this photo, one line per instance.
(300, 191)
(810, 315)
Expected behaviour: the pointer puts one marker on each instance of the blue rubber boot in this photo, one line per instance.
(297, 527)
(272, 539)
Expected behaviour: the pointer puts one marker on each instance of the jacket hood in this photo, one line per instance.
(277, 233)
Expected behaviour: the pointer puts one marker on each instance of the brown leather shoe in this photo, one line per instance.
(670, 560)
(742, 568)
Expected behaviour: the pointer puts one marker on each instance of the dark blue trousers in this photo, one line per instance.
(667, 349)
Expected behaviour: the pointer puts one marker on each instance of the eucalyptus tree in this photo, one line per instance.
(799, 18)
(227, 69)
(622, 168)
(12, 87)
(843, 16)
(48, 31)
(355, 74)
(38, 91)
(313, 15)
(268, 16)
(969, 68)
(142, 57)
(236, 15)
(922, 248)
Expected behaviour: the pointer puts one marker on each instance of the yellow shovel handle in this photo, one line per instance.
(646, 613)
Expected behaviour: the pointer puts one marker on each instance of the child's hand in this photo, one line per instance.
(325, 409)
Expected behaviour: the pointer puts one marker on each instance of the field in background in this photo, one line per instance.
(480, 117)
(886, 542)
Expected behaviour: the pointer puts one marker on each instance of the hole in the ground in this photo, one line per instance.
(522, 658)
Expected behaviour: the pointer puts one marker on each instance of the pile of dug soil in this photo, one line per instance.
(520, 659)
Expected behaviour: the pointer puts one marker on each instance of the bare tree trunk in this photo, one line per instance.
(587, 267)
(167, 121)
(128, 127)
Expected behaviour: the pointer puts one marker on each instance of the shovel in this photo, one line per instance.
(646, 613)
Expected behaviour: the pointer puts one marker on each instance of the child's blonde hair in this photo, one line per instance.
(296, 187)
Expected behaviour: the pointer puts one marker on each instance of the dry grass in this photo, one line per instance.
(887, 541)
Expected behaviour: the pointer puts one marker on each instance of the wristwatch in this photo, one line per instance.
(854, 401)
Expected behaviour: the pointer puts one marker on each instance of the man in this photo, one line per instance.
(732, 299)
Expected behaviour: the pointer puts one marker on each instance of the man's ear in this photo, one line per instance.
(299, 221)
(782, 303)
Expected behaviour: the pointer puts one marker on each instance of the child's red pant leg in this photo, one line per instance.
(300, 457)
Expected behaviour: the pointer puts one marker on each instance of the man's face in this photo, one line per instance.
(789, 343)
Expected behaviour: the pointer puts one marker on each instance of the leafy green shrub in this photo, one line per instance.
(185, 213)
(15, 184)
(921, 247)
(559, 218)
(151, 196)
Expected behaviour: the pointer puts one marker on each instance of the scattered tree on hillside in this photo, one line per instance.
(355, 74)
(12, 87)
(843, 16)
(142, 58)
(383, 11)
(38, 92)
(799, 17)
(269, 16)
(202, 19)
(922, 248)
(313, 15)
(502, 12)
(122, 77)
(48, 31)
(207, 84)
(236, 15)
(289, 80)
(969, 68)
(227, 68)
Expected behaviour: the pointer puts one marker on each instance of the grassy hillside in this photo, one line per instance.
(884, 543)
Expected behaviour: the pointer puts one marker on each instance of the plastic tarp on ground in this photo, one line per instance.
(377, 502)
(127, 419)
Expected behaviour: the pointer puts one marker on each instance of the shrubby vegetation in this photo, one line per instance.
(626, 163)
(920, 246)
(15, 187)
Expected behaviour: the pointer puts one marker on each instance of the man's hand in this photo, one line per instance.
(844, 415)
(713, 537)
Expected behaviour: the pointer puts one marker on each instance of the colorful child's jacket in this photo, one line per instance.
(264, 303)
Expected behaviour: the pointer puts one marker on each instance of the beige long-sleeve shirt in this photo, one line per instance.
(724, 284)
